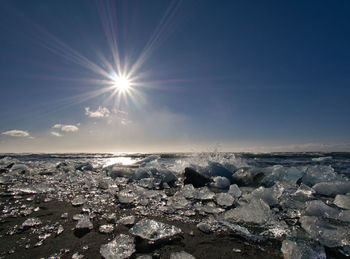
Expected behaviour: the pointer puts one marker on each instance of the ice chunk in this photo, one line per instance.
(64, 215)
(224, 199)
(269, 195)
(121, 247)
(126, 197)
(203, 193)
(31, 222)
(78, 200)
(153, 230)
(237, 229)
(220, 182)
(59, 230)
(342, 201)
(188, 191)
(247, 177)
(256, 211)
(195, 178)
(326, 233)
(319, 209)
(304, 192)
(77, 256)
(234, 191)
(208, 208)
(127, 221)
(332, 188)
(319, 173)
(217, 169)
(281, 173)
(178, 201)
(106, 229)
(83, 226)
(302, 250)
(204, 227)
(181, 255)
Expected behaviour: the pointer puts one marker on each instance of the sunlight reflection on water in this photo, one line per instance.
(120, 160)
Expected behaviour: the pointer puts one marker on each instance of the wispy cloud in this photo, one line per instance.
(66, 128)
(16, 133)
(56, 134)
(101, 112)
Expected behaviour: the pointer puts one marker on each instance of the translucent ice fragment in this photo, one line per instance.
(153, 230)
(224, 199)
(302, 250)
(121, 247)
(256, 211)
(342, 201)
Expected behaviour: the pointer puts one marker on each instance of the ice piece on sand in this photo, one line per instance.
(127, 221)
(224, 199)
(256, 211)
(327, 234)
(77, 256)
(235, 191)
(302, 250)
(31, 222)
(221, 182)
(83, 226)
(203, 193)
(342, 201)
(121, 247)
(332, 188)
(126, 197)
(59, 230)
(106, 229)
(78, 200)
(181, 255)
(188, 191)
(269, 195)
(153, 230)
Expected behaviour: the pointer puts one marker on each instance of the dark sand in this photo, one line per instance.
(199, 244)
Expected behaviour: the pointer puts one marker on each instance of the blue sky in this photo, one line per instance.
(244, 75)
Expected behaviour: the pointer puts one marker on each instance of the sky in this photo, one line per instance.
(170, 76)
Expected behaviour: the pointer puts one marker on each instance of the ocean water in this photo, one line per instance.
(301, 200)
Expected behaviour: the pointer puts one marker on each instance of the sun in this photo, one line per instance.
(121, 83)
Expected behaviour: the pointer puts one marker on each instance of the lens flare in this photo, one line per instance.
(121, 83)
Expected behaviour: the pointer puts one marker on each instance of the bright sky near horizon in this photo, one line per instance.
(145, 76)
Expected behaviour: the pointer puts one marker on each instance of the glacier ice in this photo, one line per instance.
(220, 182)
(327, 234)
(119, 248)
(256, 211)
(332, 188)
(152, 230)
(224, 199)
(342, 201)
(127, 221)
(234, 191)
(31, 222)
(106, 229)
(302, 250)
